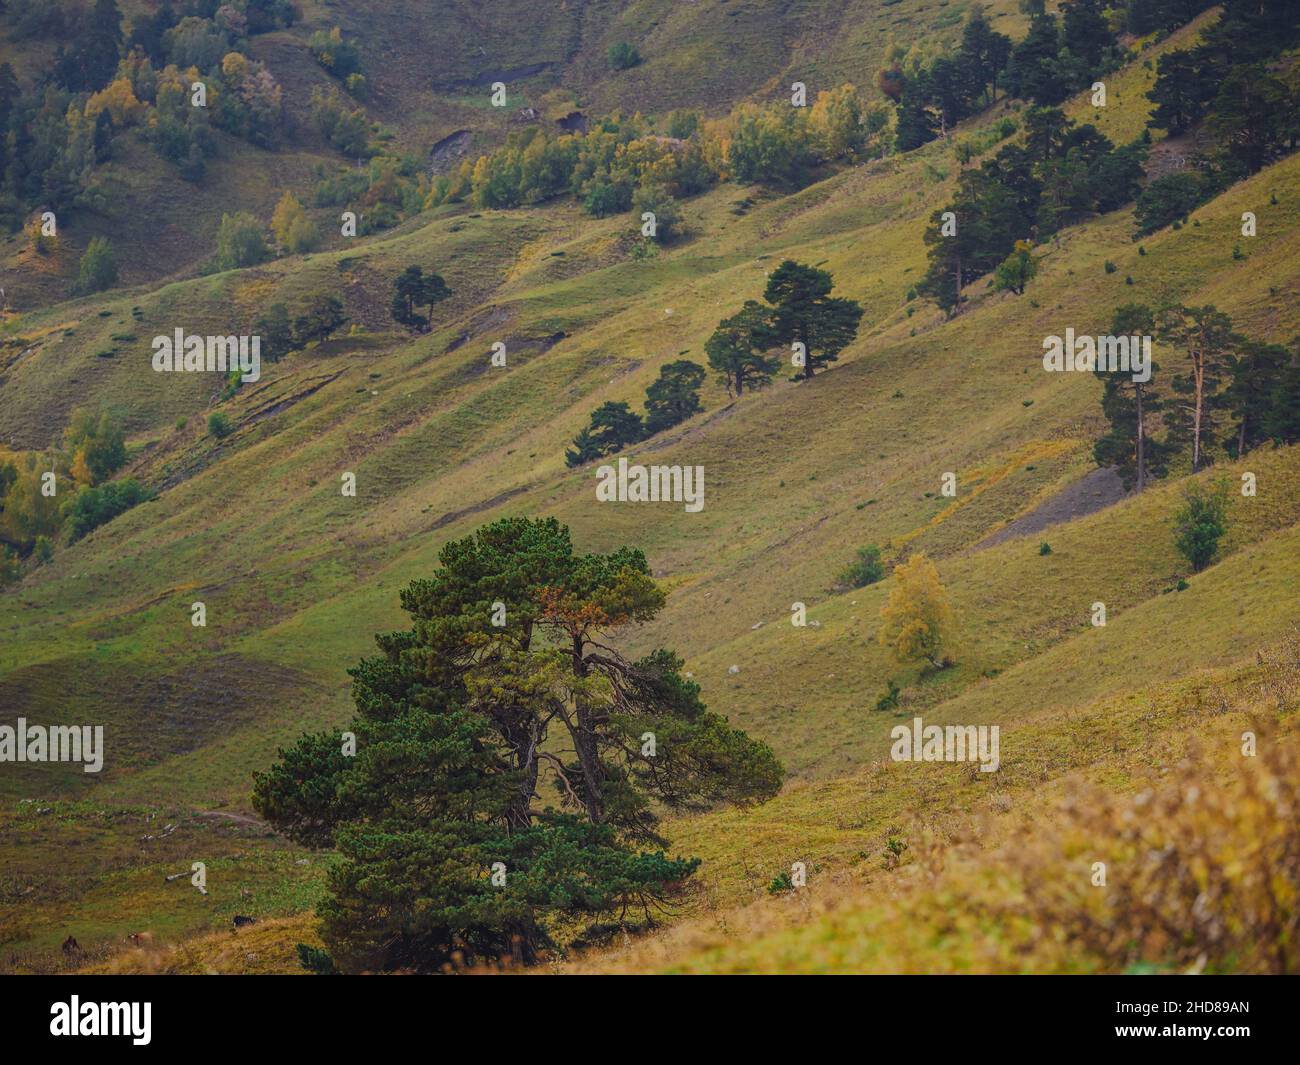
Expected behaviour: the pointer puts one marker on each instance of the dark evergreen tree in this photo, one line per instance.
(147, 32)
(613, 427)
(1058, 176)
(738, 349)
(10, 94)
(1255, 376)
(674, 396)
(916, 123)
(953, 85)
(266, 15)
(584, 450)
(1249, 118)
(803, 310)
(276, 333)
(1178, 93)
(1035, 71)
(1144, 16)
(412, 289)
(1205, 338)
(1046, 133)
(987, 219)
(103, 136)
(986, 53)
(1085, 31)
(1129, 405)
(1283, 418)
(465, 831)
(89, 62)
(1170, 198)
(322, 319)
(10, 99)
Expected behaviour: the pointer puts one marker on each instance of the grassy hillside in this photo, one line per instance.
(430, 70)
(297, 578)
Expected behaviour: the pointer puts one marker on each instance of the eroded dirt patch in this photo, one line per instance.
(1092, 492)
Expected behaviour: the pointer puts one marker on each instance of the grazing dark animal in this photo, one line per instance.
(241, 920)
(140, 939)
(71, 946)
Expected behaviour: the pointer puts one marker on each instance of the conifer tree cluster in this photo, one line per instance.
(671, 399)
(1237, 88)
(1060, 174)
(798, 313)
(1224, 394)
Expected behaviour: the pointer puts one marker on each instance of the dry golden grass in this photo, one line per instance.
(266, 947)
(1201, 845)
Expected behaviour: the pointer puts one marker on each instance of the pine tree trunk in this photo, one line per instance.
(584, 744)
(1199, 371)
(1199, 356)
(1141, 442)
(519, 814)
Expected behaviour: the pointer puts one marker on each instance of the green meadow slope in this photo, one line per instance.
(297, 578)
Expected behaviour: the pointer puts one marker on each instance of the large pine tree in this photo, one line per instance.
(1129, 406)
(1255, 378)
(738, 349)
(804, 311)
(674, 396)
(510, 760)
(1205, 338)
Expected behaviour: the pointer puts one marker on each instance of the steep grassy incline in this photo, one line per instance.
(430, 68)
(297, 578)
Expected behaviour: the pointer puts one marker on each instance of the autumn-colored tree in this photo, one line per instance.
(95, 440)
(119, 100)
(80, 469)
(294, 231)
(837, 125)
(917, 621)
(1016, 270)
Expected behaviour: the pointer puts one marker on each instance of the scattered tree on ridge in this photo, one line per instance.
(916, 620)
(674, 396)
(1200, 523)
(413, 288)
(613, 427)
(1205, 338)
(1128, 406)
(803, 310)
(738, 349)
